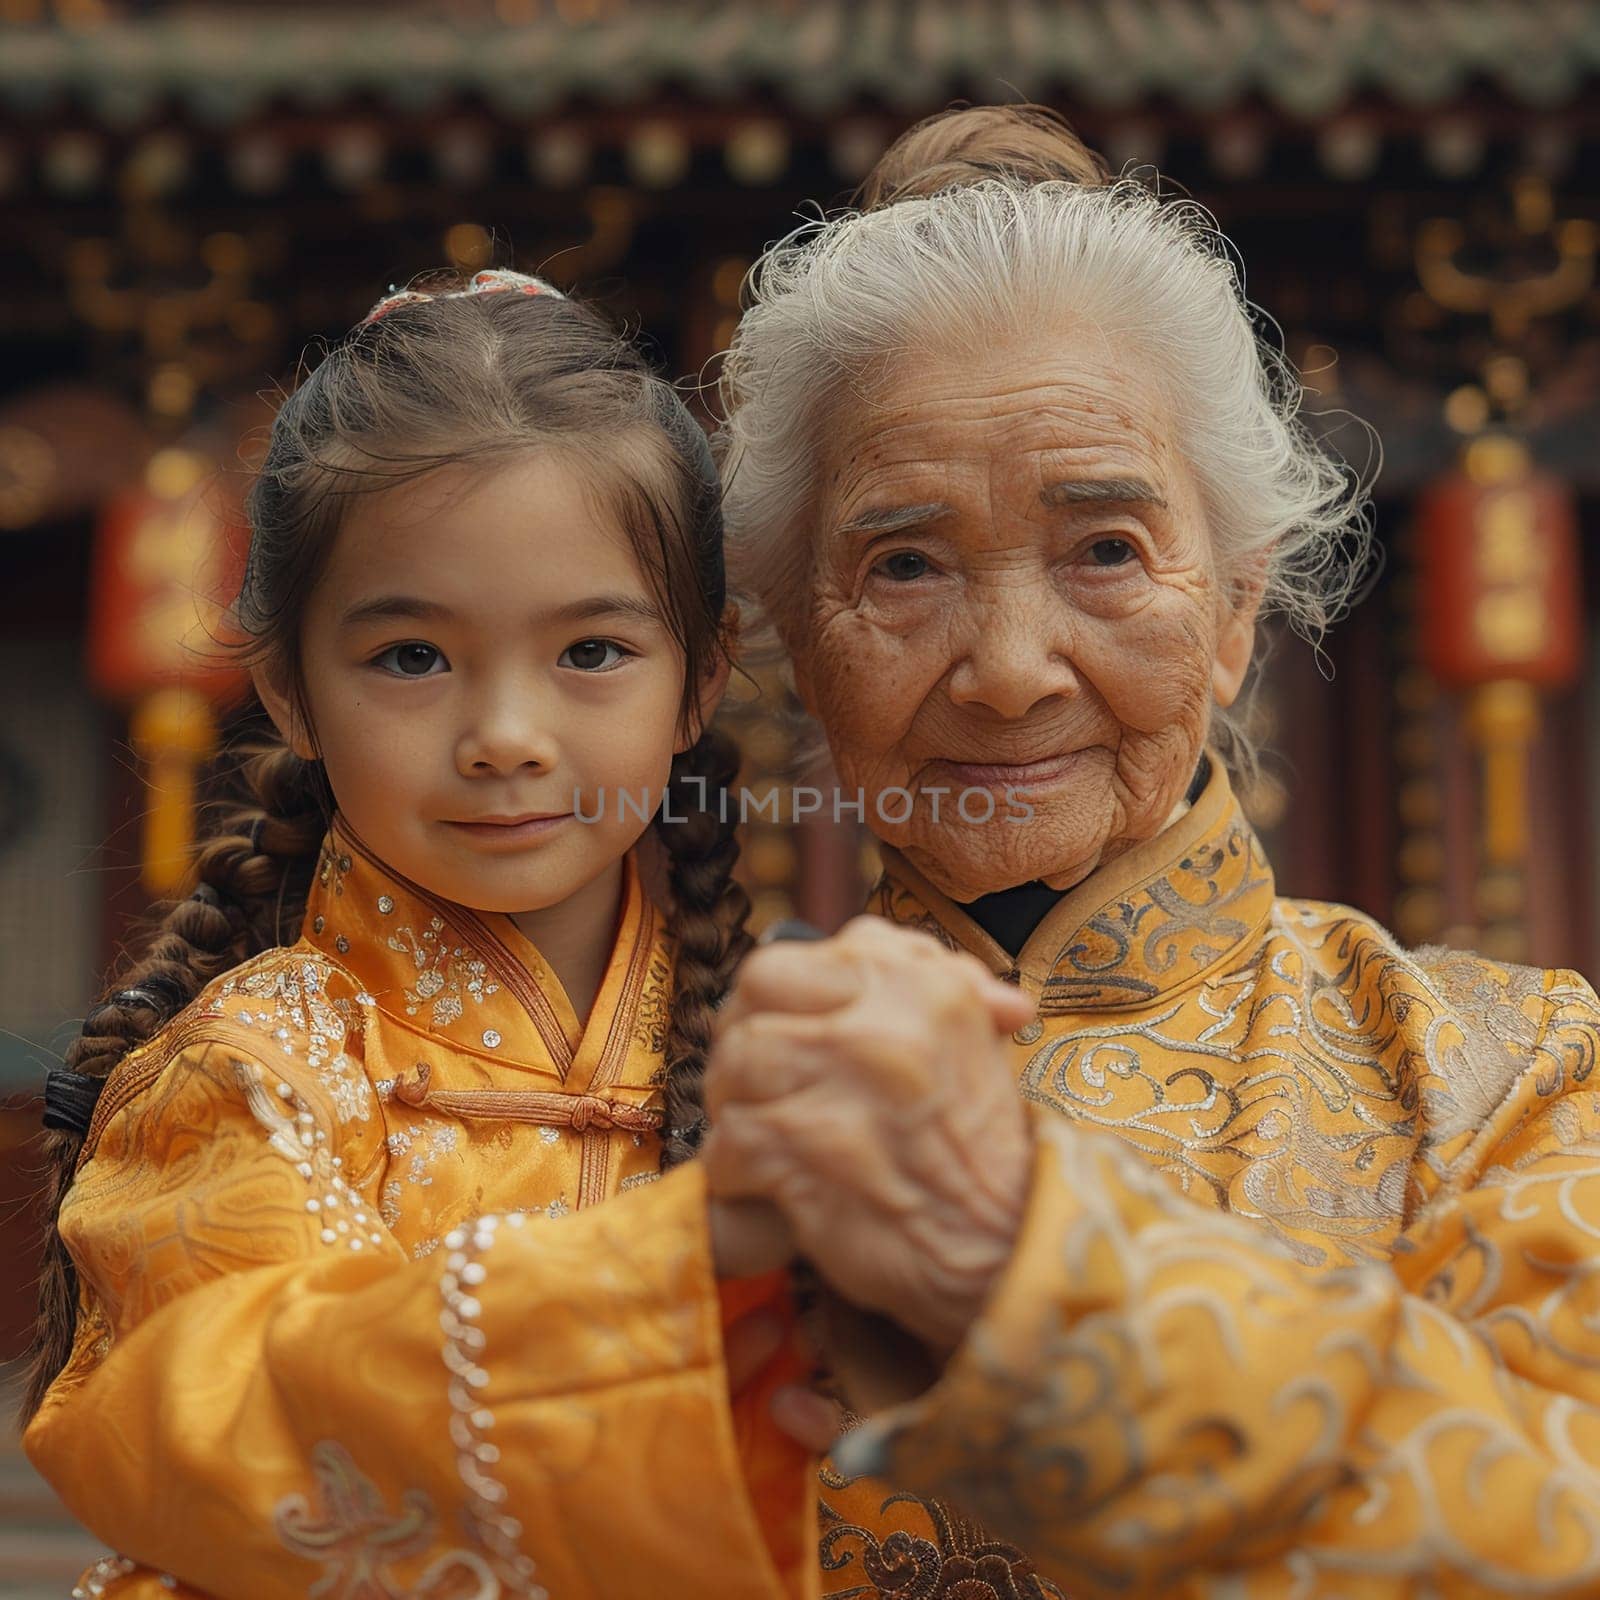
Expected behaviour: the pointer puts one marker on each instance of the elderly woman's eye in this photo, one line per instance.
(903, 566)
(1110, 552)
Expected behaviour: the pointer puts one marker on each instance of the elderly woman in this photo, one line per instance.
(1278, 1276)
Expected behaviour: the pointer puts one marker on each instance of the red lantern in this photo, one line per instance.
(1498, 555)
(169, 559)
(1501, 613)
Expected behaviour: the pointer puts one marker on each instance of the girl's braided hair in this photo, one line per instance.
(436, 377)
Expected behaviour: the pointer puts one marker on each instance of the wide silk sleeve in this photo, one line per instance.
(1161, 1399)
(269, 1397)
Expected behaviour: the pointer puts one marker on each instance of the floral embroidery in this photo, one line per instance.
(960, 1562)
(892, 899)
(304, 1145)
(302, 1008)
(445, 973)
(1174, 925)
(650, 1021)
(357, 1540)
(423, 1146)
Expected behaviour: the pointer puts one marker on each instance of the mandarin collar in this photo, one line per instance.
(1156, 918)
(470, 978)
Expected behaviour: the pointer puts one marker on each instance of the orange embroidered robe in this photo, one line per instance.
(354, 1318)
(1306, 1300)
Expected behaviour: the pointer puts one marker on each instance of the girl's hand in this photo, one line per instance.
(870, 1365)
(767, 1345)
(812, 1420)
(859, 1084)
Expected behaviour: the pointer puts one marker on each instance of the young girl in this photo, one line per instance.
(332, 1306)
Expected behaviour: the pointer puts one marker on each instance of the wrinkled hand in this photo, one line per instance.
(748, 1237)
(859, 1085)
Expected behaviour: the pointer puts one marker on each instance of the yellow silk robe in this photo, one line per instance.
(354, 1321)
(1306, 1300)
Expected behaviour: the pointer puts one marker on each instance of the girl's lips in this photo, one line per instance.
(510, 833)
(1008, 775)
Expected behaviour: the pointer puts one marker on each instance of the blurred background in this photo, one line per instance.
(189, 193)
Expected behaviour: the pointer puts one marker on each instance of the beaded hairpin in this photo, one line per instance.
(492, 280)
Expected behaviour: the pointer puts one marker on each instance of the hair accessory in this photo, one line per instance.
(69, 1099)
(493, 280)
(255, 833)
(135, 997)
(691, 1132)
(159, 990)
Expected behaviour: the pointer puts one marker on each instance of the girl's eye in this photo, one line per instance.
(412, 660)
(903, 566)
(594, 655)
(1110, 552)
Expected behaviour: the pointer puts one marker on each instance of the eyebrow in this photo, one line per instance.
(393, 607)
(410, 608)
(889, 519)
(607, 605)
(1078, 491)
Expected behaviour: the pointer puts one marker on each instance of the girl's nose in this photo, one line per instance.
(507, 733)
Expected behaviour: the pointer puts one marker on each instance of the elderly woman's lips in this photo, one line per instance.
(1005, 775)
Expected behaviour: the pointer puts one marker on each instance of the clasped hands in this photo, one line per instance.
(865, 1117)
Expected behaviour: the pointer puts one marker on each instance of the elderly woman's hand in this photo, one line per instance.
(860, 1085)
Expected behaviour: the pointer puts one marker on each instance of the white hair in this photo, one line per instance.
(833, 305)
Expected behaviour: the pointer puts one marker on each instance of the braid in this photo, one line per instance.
(253, 876)
(708, 919)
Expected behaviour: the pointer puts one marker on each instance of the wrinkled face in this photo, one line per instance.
(1014, 590)
(486, 668)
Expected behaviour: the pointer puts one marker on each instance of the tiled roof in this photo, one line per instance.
(1307, 56)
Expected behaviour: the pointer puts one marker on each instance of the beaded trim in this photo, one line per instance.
(107, 1570)
(341, 1209)
(470, 1418)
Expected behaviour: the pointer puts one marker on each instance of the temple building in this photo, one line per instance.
(190, 193)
